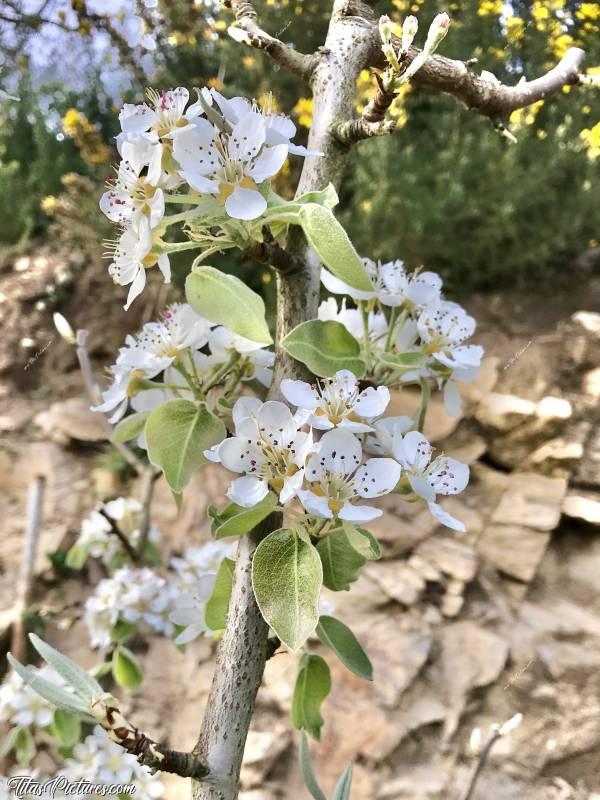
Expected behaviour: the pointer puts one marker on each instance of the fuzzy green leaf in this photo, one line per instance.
(178, 433)
(339, 638)
(51, 692)
(313, 684)
(66, 727)
(341, 562)
(362, 541)
(215, 611)
(130, 427)
(287, 577)
(236, 520)
(226, 300)
(24, 747)
(343, 786)
(78, 678)
(325, 347)
(126, 669)
(331, 243)
(308, 774)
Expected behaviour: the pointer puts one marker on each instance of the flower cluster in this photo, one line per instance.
(141, 597)
(331, 478)
(221, 152)
(407, 314)
(97, 760)
(21, 705)
(97, 538)
(192, 353)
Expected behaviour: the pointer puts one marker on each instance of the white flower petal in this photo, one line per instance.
(247, 491)
(245, 204)
(299, 393)
(445, 518)
(315, 504)
(339, 451)
(378, 476)
(354, 513)
(137, 287)
(372, 402)
(452, 399)
(268, 163)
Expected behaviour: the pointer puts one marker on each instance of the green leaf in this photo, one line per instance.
(403, 360)
(362, 541)
(78, 678)
(313, 684)
(287, 577)
(215, 611)
(122, 630)
(9, 742)
(101, 669)
(325, 347)
(339, 638)
(130, 427)
(24, 746)
(178, 433)
(341, 562)
(77, 556)
(66, 727)
(51, 692)
(343, 786)
(126, 669)
(226, 300)
(236, 520)
(310, 780)
(331, 243)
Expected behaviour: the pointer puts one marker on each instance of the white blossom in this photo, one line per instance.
(268, 447)
(132, 196)
(189, 609)
(351, 318)
(230, 166)
(338, 401)
(97, 537)
(21, 705)
(427, 478)
(392, 285)
(338, 481)
(132, 255)
(223, 343)
(198, 561)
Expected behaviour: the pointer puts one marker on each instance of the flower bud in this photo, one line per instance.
(409, 31)
(385, 29)
(64, 328)
(437, 31)
(510, 724)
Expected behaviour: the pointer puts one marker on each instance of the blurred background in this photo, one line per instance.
(464, 631)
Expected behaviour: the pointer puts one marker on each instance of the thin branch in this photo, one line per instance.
(247, 20)
(151, 754)
(114, 528)
(94, 395)
(356, 130)
(491, 99)
(270, 252)
(35, 501)
(483, 757)
(148, 480)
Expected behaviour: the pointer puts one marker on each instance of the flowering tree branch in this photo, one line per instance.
(248, 30)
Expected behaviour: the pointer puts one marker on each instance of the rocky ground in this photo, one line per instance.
(464, 630)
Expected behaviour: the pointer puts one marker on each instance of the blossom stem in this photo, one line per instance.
(364, 311)
(188, 199)
(220, 372)
(394, 318)
(181, 217)
(422, 410)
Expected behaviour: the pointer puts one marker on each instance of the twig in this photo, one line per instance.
(131, 551)
(247, 21)
(483, 757)
(94, 395)
(148, 479)
(270, 252)
(35, 501)
(348, 133)
(492, 99)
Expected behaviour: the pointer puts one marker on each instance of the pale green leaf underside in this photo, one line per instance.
(340, 639)
(325, 348)
(217, 606)
(313, 684)
(287, 577)
(226, 300)
(178, 432)
(130, 427)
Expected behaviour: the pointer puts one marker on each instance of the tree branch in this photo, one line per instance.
(491, 99)
(271, 253)
(247, 20)
(148, 752)
(129, 549)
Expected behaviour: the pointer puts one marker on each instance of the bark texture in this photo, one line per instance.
(244, 648)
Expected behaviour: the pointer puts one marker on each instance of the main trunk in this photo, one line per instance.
(243, 648)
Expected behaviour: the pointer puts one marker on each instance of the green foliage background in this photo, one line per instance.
(445, 191)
